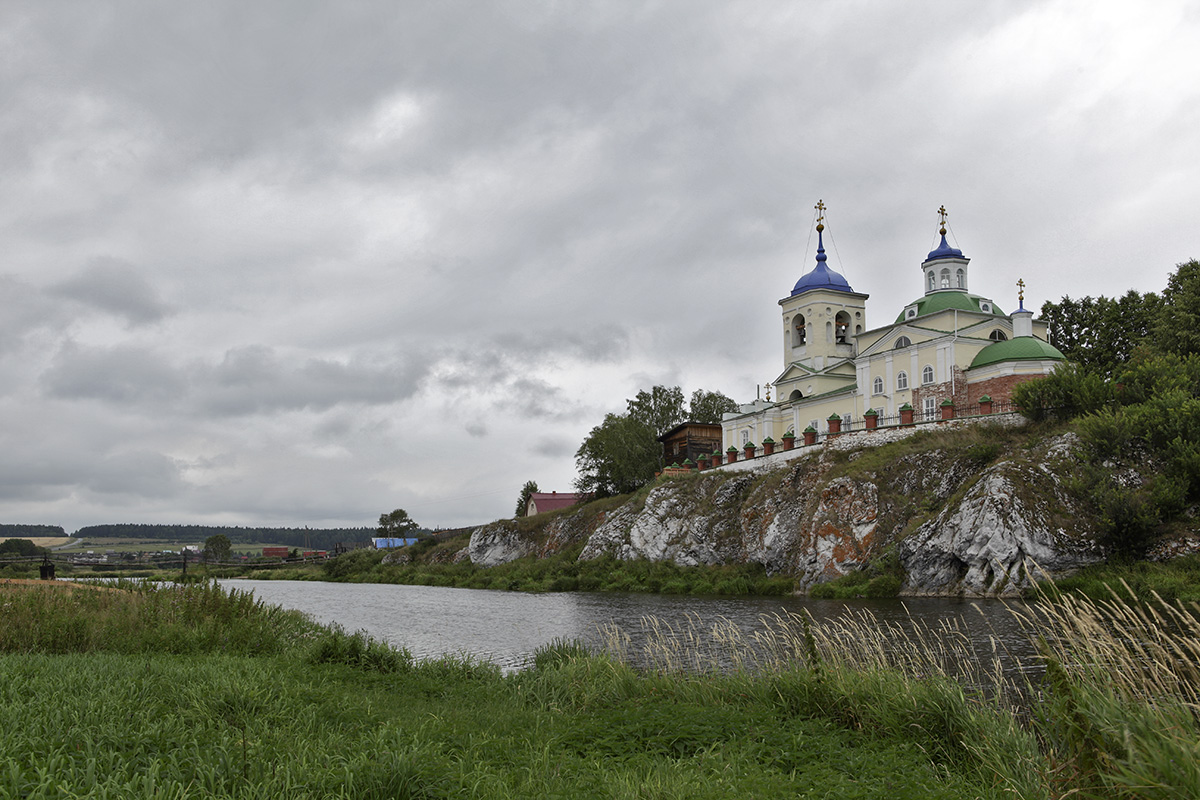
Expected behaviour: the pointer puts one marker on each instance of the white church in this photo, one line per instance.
(946, 345)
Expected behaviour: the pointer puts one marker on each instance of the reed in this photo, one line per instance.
(1114, 712)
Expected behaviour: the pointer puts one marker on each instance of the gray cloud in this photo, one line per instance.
(325, 250)
(124, 375)
(115, 287)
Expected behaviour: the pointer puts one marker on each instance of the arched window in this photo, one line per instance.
(903, 341)
(945, 277)
(997, 336)
(877, 386)
(841, 328)
(932, 281)
(927, 375)
(795, 395)
(962, 278)
(799, 333)
(901, 380)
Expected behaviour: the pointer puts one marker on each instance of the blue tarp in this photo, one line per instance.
(382, 543)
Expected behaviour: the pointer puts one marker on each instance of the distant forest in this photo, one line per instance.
(30, 531)
(307, 538)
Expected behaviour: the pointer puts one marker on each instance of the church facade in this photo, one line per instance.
(947, 345)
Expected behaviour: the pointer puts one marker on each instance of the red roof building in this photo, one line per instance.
(541, 502)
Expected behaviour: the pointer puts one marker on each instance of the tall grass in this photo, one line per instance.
(847, 707)
(1116, 712)
(142, 616)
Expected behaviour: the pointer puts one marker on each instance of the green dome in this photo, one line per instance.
(947, 301)
(1023, 348)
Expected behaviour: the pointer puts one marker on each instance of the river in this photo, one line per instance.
(506, 628)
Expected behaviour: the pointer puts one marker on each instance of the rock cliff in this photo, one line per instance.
(964, 512)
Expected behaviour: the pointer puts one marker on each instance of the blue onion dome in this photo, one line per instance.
(944, 250)
(821, 276)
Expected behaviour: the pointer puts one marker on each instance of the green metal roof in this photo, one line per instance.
(1023, 348)
(948, 301)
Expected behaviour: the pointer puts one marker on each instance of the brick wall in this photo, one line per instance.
(999, 389)
(960, 393)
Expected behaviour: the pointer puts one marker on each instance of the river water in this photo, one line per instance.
(506, 628)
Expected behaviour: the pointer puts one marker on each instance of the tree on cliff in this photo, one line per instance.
(619, 455)
(623, 453)
(709, 406)
(1177, 327)
(660, 409)
(1100, 334)
(523, 501)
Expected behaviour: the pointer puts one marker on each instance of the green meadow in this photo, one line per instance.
(191, 691)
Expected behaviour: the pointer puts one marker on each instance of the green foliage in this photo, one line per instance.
(1177, 327)
(1067, 392)
(21, 547)
(319, 538)
(659, 409)
(352, 563)
(396, 525)
(30, 531)
(1100, 335)
(358, 650)
(1174, 580)
(881, 578)
(523, 499)
(217, 547)
(618, 456)
(146, 617)
(708, 407)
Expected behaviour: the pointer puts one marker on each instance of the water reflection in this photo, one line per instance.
(507, 627)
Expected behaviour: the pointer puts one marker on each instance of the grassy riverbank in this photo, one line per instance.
(179, 692)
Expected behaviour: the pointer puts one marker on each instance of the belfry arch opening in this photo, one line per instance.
(841, 328)
(799, 332)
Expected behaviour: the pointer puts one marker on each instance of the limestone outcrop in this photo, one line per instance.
(960, 518)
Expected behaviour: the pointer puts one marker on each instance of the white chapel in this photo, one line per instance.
(946, 345)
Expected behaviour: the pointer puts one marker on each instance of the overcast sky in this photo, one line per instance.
(289, 263)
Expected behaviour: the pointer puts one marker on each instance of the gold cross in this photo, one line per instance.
(1021, 290)
(820, 207)
(942, 219)
(768, 392)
